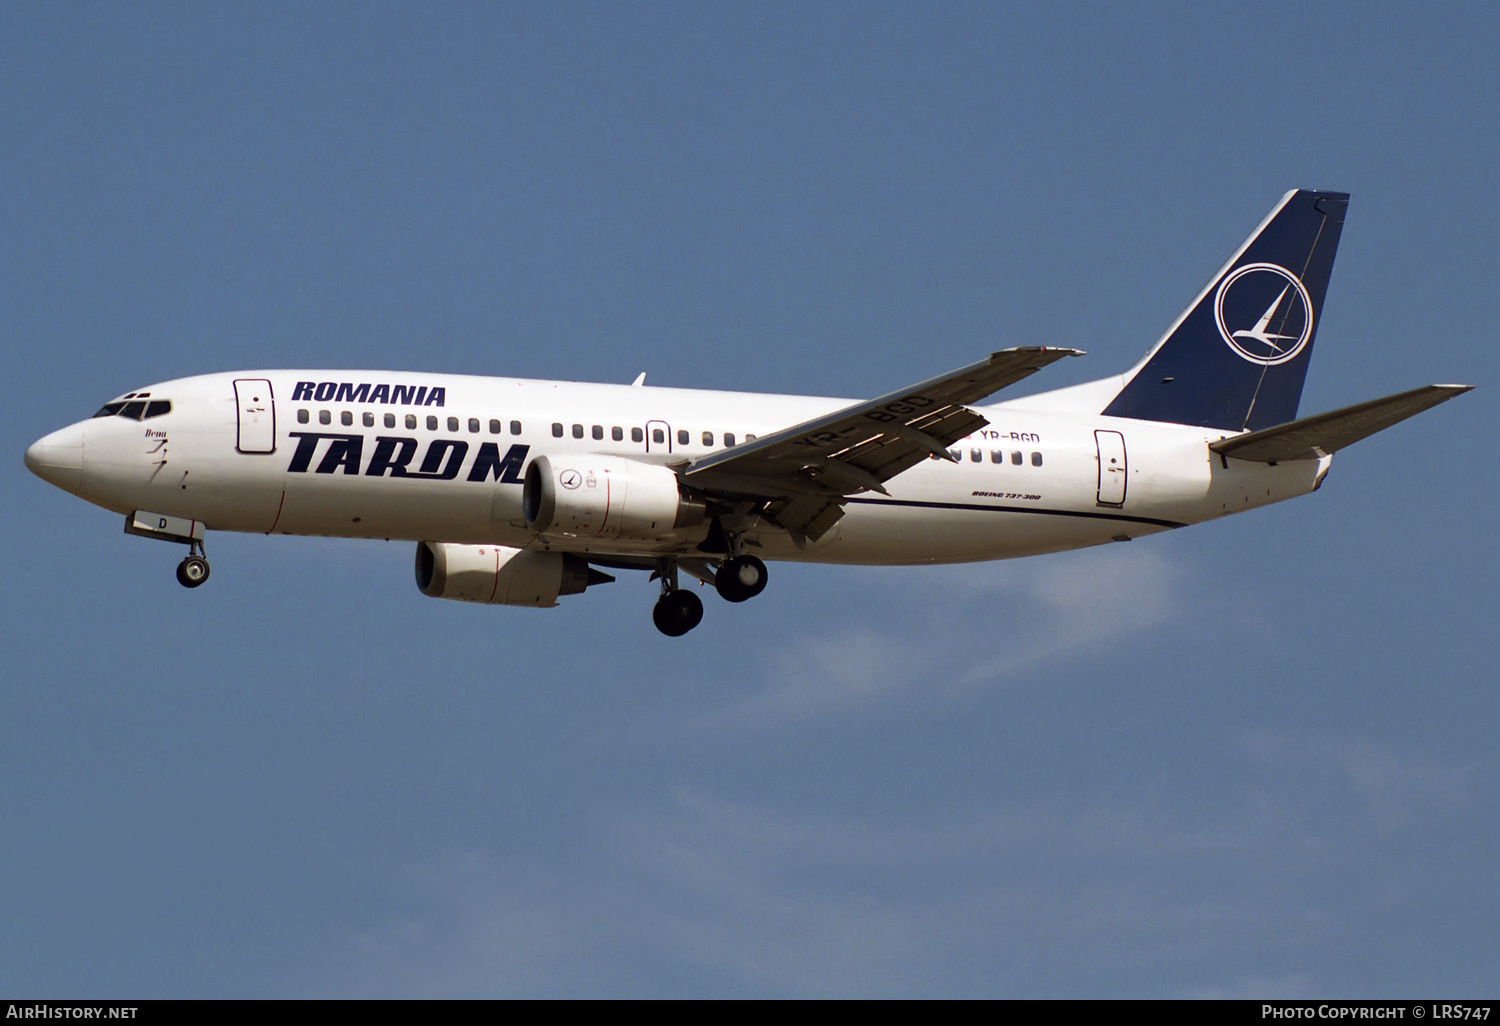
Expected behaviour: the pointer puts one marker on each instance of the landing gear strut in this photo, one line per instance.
(677, 611)
(740, 578)
(193, 570)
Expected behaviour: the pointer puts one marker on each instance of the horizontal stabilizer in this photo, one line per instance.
(1311, 437)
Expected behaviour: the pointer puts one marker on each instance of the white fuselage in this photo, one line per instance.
(351, 464)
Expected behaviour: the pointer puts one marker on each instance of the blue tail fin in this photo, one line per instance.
(1237, 357)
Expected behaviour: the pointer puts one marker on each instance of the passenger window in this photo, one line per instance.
(598, 432)
(346, 418)
(390, 420)
(158, 409)
(557, 430)
(749, 438)
(368, 419)
(302, 417)
(494, 427)
(658, 435)
(618, 434)
(411, 422)
(682, 438)
(577, 430)
(452, 423)
(708, 438)
(515, 427)
(1036, 459)
(324, 417)
(728, 438)
(957, 454)
(975, 456)
(431, 423)
(637, 435)
(473, 425)
(996, 456)
(1015, 458)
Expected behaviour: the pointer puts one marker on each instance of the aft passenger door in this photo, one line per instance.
(256, 413)
(1112, 468)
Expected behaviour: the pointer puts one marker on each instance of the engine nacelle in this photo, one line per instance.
(591, 496)
(501, 575)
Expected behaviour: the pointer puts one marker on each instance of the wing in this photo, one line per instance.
(803, 473)
(1311, 437)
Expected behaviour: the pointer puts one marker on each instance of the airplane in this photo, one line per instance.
(519, 492)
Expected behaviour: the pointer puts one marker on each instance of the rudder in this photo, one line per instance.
(1237, 357)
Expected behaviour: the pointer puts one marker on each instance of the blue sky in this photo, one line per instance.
(1251, 758)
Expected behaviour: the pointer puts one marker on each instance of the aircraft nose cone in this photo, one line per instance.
(58, 458)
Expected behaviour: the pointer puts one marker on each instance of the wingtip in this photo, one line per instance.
(1057, 351)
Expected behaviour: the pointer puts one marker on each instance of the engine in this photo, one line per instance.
(501, 575)
(589, 496)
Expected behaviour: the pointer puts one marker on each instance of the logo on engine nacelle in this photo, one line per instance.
(570, 479)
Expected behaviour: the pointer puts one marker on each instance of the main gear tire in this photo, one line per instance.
(677, 612)
(740, 578)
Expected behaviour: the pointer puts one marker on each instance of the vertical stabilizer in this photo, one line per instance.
(1237, 357)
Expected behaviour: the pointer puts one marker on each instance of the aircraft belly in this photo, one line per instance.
(236, 493)
(880, 533)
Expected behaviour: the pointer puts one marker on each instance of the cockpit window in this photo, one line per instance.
(136, 410)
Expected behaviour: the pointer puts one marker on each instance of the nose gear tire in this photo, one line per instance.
(192, 572)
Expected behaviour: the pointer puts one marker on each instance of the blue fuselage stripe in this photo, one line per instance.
(988, 508)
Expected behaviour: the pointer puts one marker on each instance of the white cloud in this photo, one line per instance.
(962, 628)
(1396, 788)
(1158, 887)
(1055, 895)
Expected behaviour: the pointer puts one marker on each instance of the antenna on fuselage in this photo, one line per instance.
(640, 379)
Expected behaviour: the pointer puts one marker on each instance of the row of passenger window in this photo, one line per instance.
(658, 435)
(996, 456)
(367, 418)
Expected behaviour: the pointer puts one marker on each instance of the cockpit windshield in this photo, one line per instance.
(136, 406)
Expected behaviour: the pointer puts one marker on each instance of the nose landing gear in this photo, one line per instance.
(193, 570)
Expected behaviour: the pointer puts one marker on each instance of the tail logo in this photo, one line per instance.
(1263, 313)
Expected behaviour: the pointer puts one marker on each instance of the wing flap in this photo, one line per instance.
(1326, 433)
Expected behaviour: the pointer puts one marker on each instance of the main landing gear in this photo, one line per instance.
(193, 570)
(740, 578)
(677, 611)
